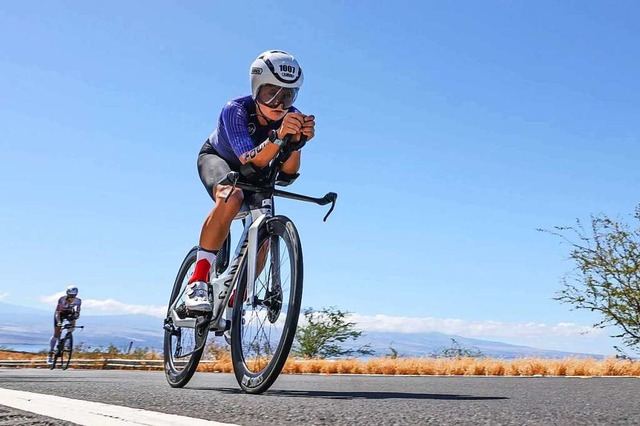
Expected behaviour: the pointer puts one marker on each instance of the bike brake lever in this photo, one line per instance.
(331, 197)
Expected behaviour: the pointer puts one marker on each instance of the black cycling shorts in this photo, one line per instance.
(212, 168)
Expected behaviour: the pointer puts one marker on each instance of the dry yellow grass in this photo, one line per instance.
(454, 367)
(222, 364)
(426, 366)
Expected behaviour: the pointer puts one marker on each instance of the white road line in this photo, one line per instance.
(93, 413)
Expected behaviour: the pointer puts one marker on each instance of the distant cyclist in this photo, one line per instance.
(68, 308)
(250, 129)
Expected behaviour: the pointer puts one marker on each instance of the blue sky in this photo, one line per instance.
(450, 130)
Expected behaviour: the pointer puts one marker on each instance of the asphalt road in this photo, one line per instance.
(350, 400)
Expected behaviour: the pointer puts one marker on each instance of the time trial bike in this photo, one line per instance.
(255, 294)
(64, 348)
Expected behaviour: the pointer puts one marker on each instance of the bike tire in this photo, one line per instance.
(257, 365)
(67, 351)
(177, 372)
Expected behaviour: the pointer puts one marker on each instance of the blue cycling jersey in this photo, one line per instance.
(239, 130)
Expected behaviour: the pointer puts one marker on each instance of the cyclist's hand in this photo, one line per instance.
(291, 124)
(308, 128)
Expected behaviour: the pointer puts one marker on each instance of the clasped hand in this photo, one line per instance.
(297, 124)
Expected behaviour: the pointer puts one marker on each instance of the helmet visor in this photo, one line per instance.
(272, 96)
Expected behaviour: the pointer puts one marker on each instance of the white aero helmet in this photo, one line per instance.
(72, 290)
(275, 67)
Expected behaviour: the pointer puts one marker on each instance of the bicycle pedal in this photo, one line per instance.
(181, 310)
(194, 314)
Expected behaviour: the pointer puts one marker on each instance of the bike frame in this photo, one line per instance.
(256, 210)
(253, 218)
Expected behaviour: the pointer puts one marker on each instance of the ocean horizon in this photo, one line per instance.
(35, 347)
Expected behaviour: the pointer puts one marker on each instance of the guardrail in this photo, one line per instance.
(99, 364)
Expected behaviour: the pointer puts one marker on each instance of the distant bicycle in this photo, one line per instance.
(255, 298)
(64, 348)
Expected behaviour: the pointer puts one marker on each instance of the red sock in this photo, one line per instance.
(204, 260)
(202, 271)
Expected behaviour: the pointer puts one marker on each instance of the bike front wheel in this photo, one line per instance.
(67, 350)
(263, 326)
(54, 360)
(183, 345)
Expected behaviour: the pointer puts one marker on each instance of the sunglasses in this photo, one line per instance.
(272, 96)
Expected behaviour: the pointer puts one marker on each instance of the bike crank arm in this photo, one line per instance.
(178, 355)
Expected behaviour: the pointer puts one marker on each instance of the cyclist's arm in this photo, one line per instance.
(77, 315)
(261, 155)
(56, 314)
(234, 118)
(292, 165)
(294, 123)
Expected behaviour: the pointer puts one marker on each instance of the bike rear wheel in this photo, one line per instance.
(67, 350)
(183, 346)
(262, 330)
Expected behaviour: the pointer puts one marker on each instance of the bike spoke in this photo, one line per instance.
(263, 323)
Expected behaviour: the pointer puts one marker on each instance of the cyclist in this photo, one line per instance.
(68, 308)
(250, 129)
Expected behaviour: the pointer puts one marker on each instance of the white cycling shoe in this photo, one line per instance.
(198, 297)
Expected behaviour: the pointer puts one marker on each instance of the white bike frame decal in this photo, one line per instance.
(252, 255)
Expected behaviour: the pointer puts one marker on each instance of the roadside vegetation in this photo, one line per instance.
(218, 359)
(450, 361)
(606, 275)
(463, 366)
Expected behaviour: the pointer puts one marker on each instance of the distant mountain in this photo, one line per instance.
(23, 328)
(9, 309)
(421, 344)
